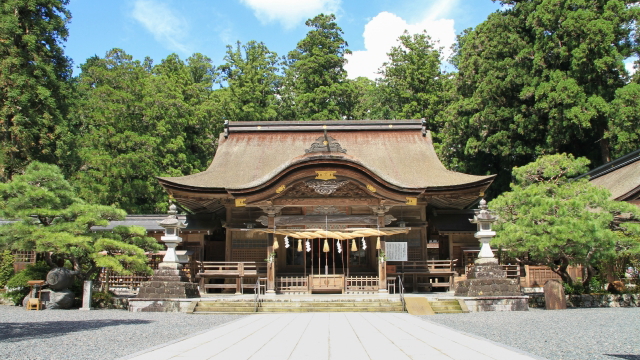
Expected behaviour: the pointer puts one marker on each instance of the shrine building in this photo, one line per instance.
(328, 206)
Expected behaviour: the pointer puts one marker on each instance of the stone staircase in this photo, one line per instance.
(279, 306)
(447, 307)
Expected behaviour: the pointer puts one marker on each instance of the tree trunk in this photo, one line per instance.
(588, 276)
(561, 270)
(49, 261)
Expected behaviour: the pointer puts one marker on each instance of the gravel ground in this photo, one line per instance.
(108, 334)
(96, 334)
(602, 333)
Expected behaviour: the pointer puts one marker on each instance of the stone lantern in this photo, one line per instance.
(168, 281)
(171, 238)
(487, 279)
(484, 218)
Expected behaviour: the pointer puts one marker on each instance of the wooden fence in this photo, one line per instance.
(537, 276)
(292, 284)
(362, 284)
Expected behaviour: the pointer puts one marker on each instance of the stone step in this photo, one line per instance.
(228, 307)
(446, 307)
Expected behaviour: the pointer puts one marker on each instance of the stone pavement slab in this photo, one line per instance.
(350, 336)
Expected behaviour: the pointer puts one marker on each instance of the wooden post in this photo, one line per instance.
(227, 246)
(382, 271)
(271, 270)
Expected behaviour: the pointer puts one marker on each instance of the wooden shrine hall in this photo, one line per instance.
(330, 207)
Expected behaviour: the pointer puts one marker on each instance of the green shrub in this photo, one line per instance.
(6, 267)
(17, 287)
(102, 299)
(596, 286)
(574, 289)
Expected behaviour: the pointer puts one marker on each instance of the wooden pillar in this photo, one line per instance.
(271, 269)
(382, 271)
(228, 239)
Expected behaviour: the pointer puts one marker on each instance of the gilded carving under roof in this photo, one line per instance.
(325, 187)
(346, 190)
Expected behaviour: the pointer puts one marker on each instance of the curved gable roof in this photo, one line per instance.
(401, 154)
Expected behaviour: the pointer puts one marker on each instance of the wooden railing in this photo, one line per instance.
(292, 284)
(428, 266)
(231, 268)
(425, 274)
(362, 284)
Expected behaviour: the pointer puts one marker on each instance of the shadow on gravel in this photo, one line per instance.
(625, 357)
(15, 332)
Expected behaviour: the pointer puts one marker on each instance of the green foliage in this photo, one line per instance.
(558, 221)
(54, 221)
(138, 121)
(6, 267)
(17, 286)
(624, 132)
(412, 80)
(315, 85)
(539, 77)
(575, 288)
(34, 82)
(102, 299)
(251, 73)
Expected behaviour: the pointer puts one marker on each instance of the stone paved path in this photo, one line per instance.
(351, 336)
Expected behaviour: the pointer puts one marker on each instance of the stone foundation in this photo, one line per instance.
(168, 284)
(488, 280)
(503, 303)
(147, 305)
(591, 301)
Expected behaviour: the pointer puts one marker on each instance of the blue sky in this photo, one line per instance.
(157, 28)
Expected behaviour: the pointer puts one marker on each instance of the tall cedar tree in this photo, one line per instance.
(251, 73)
(138, 121)
(316, 85)
(413, 81)
(34, 87)
(537, 78)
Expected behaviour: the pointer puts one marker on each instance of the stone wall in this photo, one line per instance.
(591, 301)
(503, 303)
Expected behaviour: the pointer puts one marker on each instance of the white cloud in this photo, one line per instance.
(382, 32)
(164, 23)
(290, 12)
(628, 64)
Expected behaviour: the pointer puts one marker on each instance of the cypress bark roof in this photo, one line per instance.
(620, 176)
(400, 152)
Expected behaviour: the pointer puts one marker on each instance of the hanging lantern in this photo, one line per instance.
(378, 243)
(353, 245)
(275, 243)
(299, 245)
(325, 248)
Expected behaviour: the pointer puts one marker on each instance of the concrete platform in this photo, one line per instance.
(349, 336)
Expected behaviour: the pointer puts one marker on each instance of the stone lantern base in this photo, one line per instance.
(488, 280)
(168, 282)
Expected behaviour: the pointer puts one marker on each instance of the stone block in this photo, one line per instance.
(554, 296)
